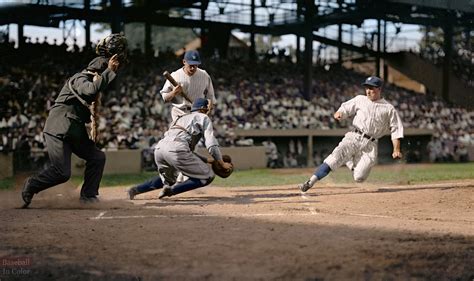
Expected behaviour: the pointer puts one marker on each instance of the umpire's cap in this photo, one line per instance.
(192, 57)
(200, 103)
(373, 81)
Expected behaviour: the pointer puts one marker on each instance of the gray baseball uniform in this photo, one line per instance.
(174, 153)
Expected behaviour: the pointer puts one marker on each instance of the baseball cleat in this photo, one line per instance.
(26, 194)
(88, 199)
(132, 192)
(165, 192)
(305, 186)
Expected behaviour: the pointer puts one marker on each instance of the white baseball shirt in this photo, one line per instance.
(373, 118)
(199, 85)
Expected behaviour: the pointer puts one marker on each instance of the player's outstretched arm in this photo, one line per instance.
(396, 149)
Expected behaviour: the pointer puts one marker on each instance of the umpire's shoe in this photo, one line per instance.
(132, 192)
(166, 192)
(88, 199)
(26, 193)
(305, 186)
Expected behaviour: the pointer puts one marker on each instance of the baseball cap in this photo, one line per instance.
(200, 103)
(373, 81)
(192, 57)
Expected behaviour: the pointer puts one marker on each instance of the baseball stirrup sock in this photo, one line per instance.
(190, 184)
(150, 185)
(322, 171)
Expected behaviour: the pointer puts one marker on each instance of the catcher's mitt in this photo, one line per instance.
(219, 170)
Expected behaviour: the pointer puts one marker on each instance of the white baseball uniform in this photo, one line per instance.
(199, 85)
(358, 148)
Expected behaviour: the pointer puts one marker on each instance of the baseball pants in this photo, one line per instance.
(355, 151)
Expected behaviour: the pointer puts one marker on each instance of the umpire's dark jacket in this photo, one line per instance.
(68, 116)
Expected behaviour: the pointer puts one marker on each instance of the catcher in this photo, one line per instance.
(174, 154)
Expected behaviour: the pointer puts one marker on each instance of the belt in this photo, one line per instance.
(364, 135)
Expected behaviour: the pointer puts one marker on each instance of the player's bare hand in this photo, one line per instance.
(114, 63)
(397, 155)
(338, 116)
(177, 90)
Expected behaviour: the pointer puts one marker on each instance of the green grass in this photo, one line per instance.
(386, 174)
(7, 183)
(259, 177)
(425, 173)
(122, 179)
(238, 178)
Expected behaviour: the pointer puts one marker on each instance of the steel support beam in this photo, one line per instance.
(448, 55)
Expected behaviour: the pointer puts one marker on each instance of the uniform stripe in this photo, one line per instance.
(196, 86)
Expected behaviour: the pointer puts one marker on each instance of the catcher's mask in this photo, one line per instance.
(114, 44)
(199, 104)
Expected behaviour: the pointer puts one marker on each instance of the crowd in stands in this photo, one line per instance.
(462, 57)
(265, 95)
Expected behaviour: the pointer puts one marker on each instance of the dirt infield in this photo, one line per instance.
(334, 232)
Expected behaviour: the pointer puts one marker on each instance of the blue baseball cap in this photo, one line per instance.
(373, 81)
(192, 57)
(200, 103)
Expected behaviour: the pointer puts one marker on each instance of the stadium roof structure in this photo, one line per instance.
(302, 18)
(261, 16)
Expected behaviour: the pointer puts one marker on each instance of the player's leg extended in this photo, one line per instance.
(166, 172)
(189, 184)
(152, 184)
(199, 173)
(57, 172)
(340, 155)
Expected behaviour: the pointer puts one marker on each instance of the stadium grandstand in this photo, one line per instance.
(264, 91)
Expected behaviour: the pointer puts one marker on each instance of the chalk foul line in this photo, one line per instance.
(102, 217)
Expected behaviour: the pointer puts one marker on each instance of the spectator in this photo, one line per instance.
(271, 153)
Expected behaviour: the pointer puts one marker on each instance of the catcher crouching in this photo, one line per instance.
(174, 154)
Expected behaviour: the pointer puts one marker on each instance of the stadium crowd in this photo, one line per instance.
(267, 95)
(462, 59)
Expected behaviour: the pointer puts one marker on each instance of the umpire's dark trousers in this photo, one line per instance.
(59, 169)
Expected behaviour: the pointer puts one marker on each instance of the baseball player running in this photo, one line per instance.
(374, 118)
(174, 154)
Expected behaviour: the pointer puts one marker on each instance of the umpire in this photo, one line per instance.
(65, 131)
